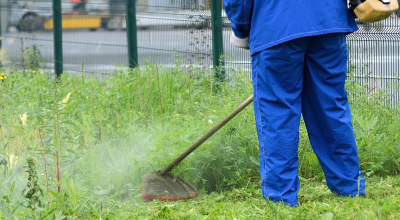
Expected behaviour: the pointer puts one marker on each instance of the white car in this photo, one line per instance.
(30, 15)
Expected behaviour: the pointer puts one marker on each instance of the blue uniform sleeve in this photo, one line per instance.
(239, 13)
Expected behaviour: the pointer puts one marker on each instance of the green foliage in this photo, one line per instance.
(31, 58)
(33, 191)
(376, 125)
(103, 135)
(316, 202)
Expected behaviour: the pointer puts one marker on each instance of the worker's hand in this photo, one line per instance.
(240, 42)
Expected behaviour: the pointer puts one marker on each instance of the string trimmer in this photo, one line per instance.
(164, 186)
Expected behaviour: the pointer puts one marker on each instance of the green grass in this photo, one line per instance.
(111, 132)
(316, 202)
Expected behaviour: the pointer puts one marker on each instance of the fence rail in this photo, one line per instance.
(185, 31)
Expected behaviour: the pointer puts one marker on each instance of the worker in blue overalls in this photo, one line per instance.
(299, 61)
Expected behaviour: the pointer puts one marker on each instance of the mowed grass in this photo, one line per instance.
(107, 134)
(316, 202)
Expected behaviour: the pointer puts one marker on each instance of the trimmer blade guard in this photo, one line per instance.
(166, 188)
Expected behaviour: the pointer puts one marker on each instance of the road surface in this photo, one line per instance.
(373, 50)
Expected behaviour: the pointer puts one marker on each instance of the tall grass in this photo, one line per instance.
(109, 133)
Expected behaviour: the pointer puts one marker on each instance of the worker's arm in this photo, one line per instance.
(239, 13)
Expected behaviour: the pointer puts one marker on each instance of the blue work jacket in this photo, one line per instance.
(268, 23)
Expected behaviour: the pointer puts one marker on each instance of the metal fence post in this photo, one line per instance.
(217, 39)
(1, 40)
(57, 32)
(131, 33)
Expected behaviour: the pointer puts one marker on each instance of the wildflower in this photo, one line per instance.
(2, 74)
(24, 118)
(214, 111)
(204, 119)
(87, 97)
(201, 113)
(30, 104)
(177, 114)
(3, 78)
(41, 73)
(84, 193)
(195, 103)
(209, 121)
(34, 72)
(64, 101)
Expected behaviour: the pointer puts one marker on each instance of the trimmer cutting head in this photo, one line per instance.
(166, 188)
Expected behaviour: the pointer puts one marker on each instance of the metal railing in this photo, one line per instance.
(103, 37)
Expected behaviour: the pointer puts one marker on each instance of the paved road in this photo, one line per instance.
(108, 48)
(376, 52)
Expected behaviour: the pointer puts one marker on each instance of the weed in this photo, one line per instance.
(45, 161)
(137, 121)
(31, 58)
(33, 191)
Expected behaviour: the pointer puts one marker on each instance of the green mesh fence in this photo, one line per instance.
(168, 32)
(374, 56)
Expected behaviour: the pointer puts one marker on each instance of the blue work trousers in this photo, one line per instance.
(304, 76)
